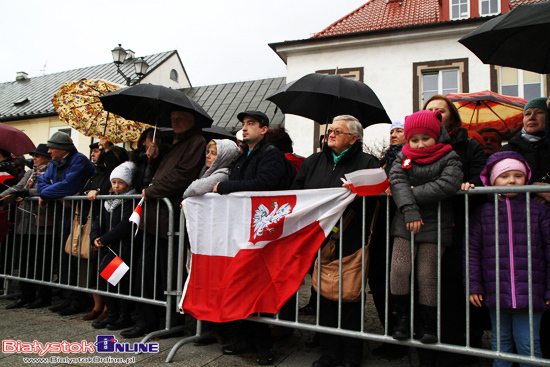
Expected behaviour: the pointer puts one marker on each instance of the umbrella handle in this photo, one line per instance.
(106, 121)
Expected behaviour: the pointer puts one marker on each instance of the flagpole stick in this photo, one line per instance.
(114, 253)
(26, 211)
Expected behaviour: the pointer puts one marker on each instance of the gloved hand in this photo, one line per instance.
(23, 193)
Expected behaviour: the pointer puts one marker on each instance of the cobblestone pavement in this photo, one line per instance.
(44, 326)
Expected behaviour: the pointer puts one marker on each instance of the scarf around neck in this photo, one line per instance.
(426, 155)
(112, 204)
(532, 138)
(36, 172)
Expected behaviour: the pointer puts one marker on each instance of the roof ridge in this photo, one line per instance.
(88, 67)
(234, 82)
(343, 18)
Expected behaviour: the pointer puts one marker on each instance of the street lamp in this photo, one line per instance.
(140, 65)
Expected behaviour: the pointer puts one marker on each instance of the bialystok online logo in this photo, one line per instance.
(103, 344)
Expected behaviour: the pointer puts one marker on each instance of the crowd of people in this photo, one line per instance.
(430, 159)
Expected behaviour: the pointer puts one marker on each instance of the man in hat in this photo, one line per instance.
(177, 169)
(261, 167)
(66, 175)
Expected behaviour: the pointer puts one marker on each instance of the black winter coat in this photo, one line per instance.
(113, 227)
(471, 156)
(319, 171)
(255, 171)
(537, 154)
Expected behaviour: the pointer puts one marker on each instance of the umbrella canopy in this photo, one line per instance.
(78, 104)
(484, 109)
(518, 39)
(15, 141)
(153, 104)
(216, 132)
(321, 97)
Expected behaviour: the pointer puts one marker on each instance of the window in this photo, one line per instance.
(353, 73)
(174, 75)
(74, 134)
(460, 9)
(520, 83)
(438, 77)
(489, 7)
(439, 82)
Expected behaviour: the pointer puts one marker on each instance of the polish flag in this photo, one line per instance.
(367, 182)
(5, 176)
(136, 215)
(251, 250)
(114, 271)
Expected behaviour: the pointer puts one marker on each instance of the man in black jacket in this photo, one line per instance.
(261, 167)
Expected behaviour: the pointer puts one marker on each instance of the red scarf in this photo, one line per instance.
(426, 155)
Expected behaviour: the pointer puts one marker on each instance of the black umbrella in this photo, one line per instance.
(153, 104)
(216, 132)
(519, 39)
(321, 97)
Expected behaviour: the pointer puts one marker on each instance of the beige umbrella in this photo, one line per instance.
(78, 104)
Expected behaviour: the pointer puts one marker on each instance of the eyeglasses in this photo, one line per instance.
(337, 132)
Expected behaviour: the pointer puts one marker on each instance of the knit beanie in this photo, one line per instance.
(423, 122)
(398, 124)
(537, 103)
(505, 165)
(61, 140)
(124, 171)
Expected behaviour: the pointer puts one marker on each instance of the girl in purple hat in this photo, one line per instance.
(510, 169)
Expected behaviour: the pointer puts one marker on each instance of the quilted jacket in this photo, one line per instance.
(432, 183)
(512, 245)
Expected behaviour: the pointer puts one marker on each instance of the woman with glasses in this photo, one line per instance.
(343, 153)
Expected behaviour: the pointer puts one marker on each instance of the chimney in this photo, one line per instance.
(131, 54)
(21, 75)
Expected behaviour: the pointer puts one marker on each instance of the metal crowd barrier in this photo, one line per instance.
(42, 259)
(303, 324)
(56, 273)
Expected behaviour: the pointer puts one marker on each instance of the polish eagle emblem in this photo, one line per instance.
(266, 221)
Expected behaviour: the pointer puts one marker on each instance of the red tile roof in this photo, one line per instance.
(515, 3)
(383, 14)
(387, 14)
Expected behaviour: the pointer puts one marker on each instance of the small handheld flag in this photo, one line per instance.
(114, 270)
(368, 182)
(136, 215)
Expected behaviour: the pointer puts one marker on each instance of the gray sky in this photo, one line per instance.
(218, 41)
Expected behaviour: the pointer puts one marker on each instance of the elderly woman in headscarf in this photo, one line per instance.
(219, 156)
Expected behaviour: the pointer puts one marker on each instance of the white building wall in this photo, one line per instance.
(388, 69)
(161, 75)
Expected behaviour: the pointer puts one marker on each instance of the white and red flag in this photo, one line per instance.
(114, 271)
(136, 215)
(251, 250)
(366, 182)
(5, 176)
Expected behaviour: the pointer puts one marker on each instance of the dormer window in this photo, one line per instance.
(460, 9)
(489, 7)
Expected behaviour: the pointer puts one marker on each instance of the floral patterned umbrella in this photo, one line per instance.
(484, 109)
(78, 104)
